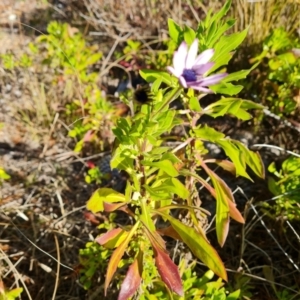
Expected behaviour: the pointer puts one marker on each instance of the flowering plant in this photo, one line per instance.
(162, 178)
(190, 69)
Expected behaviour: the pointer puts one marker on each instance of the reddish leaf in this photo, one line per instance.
(235, 213)
(169, 231)
(110, 207)
(112, 238)
(88, 136)
(90, 164)
(168, 270)
(116, 257)
(223, 163)
(131, 282)
(91, 217)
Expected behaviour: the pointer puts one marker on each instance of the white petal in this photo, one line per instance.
(214, 79)
(191, 56)
(204, 57)
(182, 82)
(201, 69)
(180, 57)
(174, 71)
(200, 88)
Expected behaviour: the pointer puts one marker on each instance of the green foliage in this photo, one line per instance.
(92, 259)
(286, 185)
(162, 179)
(3, 175)
(10, 295)
(282, 82)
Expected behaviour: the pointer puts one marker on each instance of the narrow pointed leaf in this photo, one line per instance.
(116, 257)
(131, 282)
(223, 163)
(199, 246)
(167, 270)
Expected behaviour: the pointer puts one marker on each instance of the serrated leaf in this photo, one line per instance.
(96, 202)
(223, 48)
(198, 245)
(252, 159)
(236, 157)
(132, 281)
(116, 257)
(234, 106)
(226, 88)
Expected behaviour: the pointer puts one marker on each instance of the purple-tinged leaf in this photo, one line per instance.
(168, 270)
(132, 281)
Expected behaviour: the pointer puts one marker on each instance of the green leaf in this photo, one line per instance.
(214, 35)
(223, 48)
(122, 159)
(152, 75)
(222, 213)
(172, 186)
(207, 133)
(164, 165)
(222, 12)
(175, 31)
(4, 175)
(198, 245)
(234, 106)
(96, 202)
(234, 295)
(116, 257)
(194, 104)
(189, 34)
(12, 294)
(235, 155)
(226, 88)
(252, 159)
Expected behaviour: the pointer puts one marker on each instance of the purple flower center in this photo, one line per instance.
(189, 75)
